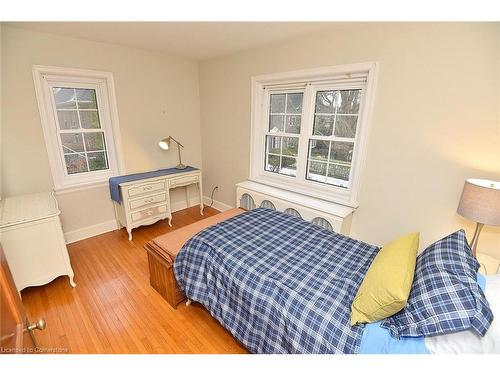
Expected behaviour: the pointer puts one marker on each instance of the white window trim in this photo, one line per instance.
(299, 184)
(110, 124)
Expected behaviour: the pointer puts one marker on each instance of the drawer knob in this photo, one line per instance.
(148, 187)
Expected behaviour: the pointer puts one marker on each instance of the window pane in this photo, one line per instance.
(281, 154)
(340, 172)
(278, 103)
(86, 98)
(349, 101)
(68, 120)
(325, 101)
(294, 103)
(276, 123)
(65, 98)
(288, 166)
(273, 163)
(318, 150)
(316, 171)
(72, 142)
(94, 141)
(292, 124)
(76, 163)
(97, 161)
(345, 126)
(273, 144)
(90, 119)
(323, 125)
(290, 146)
(342, 152)
(286, 113)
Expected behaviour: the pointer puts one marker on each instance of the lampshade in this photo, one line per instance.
(480, 201)
(164, 143)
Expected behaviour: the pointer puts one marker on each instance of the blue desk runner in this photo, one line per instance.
(114, 182)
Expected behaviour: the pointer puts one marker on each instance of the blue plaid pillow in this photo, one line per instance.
(445, 296)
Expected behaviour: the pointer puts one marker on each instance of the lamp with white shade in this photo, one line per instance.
(165, 145)
(480, 201)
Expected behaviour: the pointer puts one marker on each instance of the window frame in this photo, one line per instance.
(47, 77)
(318, 79)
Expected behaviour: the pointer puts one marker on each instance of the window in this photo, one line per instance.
(78, 114)
(309, 130)
(82, 138)
(284, 118)
(331, 145)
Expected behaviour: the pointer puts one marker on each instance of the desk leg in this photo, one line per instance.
(201, 197)
(118, 223)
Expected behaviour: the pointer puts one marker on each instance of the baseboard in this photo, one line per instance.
(90, 231)
(108, 226)
(181, 205)
(216, 204)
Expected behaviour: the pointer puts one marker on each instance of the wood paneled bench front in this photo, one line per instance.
(163, 249)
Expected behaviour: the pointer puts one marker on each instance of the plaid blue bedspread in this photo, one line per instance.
(278, 283)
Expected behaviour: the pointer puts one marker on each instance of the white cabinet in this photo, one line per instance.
(145, 201)
(328, 215)
(33, 240)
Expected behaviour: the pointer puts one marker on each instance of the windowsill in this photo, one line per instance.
(81, 187)
(336, 209)
(335, 196)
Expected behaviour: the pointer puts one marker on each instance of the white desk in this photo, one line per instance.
(33, 240)
(145, 201)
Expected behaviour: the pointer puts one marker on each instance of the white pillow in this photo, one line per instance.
(467, 342)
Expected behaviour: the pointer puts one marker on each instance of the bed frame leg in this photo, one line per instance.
(188, 302)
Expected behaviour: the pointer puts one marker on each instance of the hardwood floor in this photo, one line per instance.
(113, 309)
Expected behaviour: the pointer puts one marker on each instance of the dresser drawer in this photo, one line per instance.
(145, 201)
(146, 188)
(185, 180)
(148, 212)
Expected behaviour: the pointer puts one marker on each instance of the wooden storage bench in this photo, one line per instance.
(163, 249)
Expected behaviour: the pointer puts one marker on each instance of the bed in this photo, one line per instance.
(282, 285)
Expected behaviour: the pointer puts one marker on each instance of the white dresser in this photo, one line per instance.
(145, 201)
(33, 240)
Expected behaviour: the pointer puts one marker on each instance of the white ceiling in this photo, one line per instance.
(197, 40)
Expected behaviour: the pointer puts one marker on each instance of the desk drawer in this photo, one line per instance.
(146, 188)
(145, 201)
(148, 212)
(185, 180)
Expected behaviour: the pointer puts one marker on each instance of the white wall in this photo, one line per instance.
(157, 96)
(435, 122)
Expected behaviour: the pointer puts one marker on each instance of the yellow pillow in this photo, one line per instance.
(386, 286)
